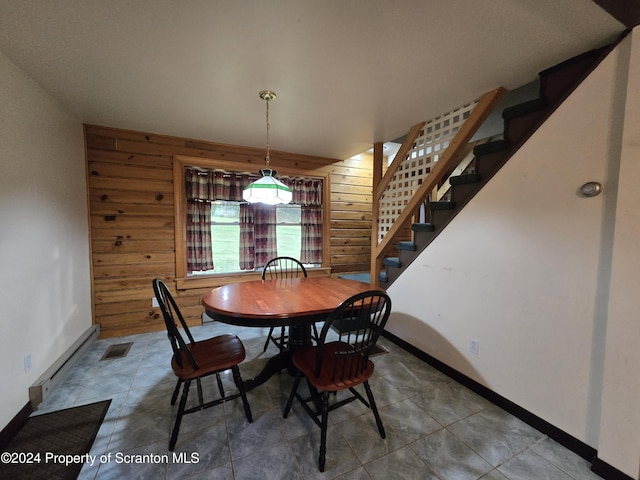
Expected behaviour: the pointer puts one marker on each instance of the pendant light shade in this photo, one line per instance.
(267, 189)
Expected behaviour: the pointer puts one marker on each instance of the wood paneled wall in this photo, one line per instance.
(131, 206)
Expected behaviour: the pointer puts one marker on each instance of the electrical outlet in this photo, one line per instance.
(154, 302)
(474, 346)
(27, 362)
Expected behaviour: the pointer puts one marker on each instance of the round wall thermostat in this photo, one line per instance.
(590, 189)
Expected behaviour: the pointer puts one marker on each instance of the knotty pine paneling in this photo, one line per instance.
(130, 195)
(103, 169)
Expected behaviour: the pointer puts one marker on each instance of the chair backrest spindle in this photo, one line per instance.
(170, 311)
(358, 321)
(283, 267)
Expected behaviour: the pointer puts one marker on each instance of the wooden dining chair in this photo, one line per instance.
(343, 363)
(283, 267)
(198, 359)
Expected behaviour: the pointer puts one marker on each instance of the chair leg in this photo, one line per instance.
(243, 394)
(220, 386)
(266, 344)
(294, 389)
(199, 388)
(323, 430)
(372, 402)
(176, 426)
(282, 339)
(315, 332)
(174, 397)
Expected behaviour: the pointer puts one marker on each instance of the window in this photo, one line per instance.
(225, 235)
(218, 233)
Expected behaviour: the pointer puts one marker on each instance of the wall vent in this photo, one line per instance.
(117, 350)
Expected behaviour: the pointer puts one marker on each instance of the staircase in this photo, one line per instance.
(520, 122)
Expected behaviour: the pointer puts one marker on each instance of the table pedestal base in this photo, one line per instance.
(299, 337)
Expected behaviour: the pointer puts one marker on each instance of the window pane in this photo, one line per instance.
(288, 240)
(225, 212)
(225, 240)
(289, 214)
(225, 236)
(288, 230)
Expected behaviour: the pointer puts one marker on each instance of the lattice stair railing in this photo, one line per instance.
(430, 152)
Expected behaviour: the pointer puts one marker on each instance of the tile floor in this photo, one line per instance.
(436, 428)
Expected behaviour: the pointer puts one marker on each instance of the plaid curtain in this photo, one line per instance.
(307, 192)
(203, 187)
(311, 241)
(199, 249)
(264, 233)
(209, 185)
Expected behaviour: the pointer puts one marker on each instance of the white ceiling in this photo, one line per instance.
(347, 72)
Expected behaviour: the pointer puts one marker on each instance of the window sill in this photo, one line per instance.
(211, 281)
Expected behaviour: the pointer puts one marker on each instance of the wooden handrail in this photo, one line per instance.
(407, 145)
(446, 163)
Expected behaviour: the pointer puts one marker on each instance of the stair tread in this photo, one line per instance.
(465, 178)
(490, 147)
(422, 227)
(392, 262)
(523, 108)
(408, 246)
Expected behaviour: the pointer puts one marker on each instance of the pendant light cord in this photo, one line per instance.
(267, 159)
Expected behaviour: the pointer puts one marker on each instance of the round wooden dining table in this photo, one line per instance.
(292, 302)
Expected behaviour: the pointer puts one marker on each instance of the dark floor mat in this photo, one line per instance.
(45, 447)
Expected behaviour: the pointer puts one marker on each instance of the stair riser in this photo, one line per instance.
(392, 274)
(440, 218)
(555, 83)
(441, 205)
(518, 129)
(422, 239)
(406, 256)
(487, 165)
(462, 193)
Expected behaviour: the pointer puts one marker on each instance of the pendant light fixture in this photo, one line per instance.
(267, 189)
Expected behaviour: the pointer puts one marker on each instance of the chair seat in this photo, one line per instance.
(214, 354)
(305, 361)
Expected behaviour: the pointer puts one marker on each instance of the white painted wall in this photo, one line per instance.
(526, 268)
(45, 293)
(620, 423)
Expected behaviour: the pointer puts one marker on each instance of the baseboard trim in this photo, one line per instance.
(14, 426)
(563, 438)
(607, 471)
(42, 387)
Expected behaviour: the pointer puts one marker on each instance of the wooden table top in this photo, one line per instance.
(281, 301)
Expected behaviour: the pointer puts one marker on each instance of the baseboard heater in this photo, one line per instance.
(42, 388)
